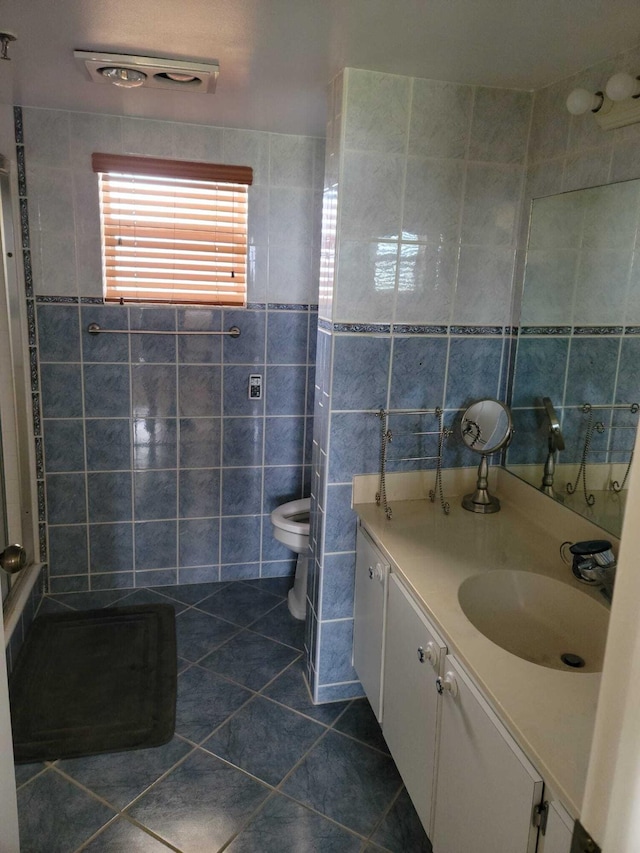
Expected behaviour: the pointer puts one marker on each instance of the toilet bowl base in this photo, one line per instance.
(297, 597)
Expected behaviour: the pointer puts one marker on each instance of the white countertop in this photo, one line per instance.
(549, 712)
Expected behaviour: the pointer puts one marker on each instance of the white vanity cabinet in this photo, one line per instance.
(413, 659)
(472, 786)
(370, 605)
(487, 790)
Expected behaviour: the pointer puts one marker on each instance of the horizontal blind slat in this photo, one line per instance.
(170, 239)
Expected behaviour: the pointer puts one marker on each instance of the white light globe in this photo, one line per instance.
(581, 100)
(621, 86)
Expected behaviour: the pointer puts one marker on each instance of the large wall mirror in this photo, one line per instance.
(576, 390)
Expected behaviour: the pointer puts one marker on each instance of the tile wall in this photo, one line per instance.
(423, 192)
(154, 467)
(159, 469)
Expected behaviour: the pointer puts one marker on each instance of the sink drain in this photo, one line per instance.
(572, 660)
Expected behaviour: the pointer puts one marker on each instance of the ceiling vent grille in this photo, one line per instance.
(149, 72)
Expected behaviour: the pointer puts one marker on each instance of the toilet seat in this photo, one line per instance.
(290, 523)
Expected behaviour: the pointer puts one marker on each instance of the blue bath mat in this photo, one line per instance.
(95, 681)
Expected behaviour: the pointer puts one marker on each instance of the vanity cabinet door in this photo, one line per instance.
(413, 659)
(486, 788)
(372, 572)
(558, 831)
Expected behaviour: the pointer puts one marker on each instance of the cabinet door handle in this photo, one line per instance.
(429, 653)
(447, 684)
(377, 572)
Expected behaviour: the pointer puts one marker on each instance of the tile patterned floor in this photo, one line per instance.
(254, 767)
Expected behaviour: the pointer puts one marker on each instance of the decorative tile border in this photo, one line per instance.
(597, 330)
(580, 331)
(408, 329)
(416, 329)
(545, 330)
(477, 330)
(287, 306)
(250, 306)
(363, 328)
(17, 125)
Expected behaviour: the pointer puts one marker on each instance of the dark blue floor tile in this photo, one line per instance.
(190, 593)
(360, 722)
(119, 777)
(239, 603)
(91, 600)
(401, 829)
(345, 780)
(198, 633)
(250, 659)
(278, 624)
(201, 805)
(122, 835)
(25, 772)
(264, 739)
(52, 605)
(147, 596)
(283, 826)
(205, 701)
(56, 816)
(291, 689)
(276, 586)
(183, 664)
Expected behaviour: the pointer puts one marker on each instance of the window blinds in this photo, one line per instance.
(173, 231)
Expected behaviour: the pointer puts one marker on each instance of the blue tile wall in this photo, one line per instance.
(445, 367)
(573, 366)
(158, 467)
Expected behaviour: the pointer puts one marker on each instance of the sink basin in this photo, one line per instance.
(537, 618)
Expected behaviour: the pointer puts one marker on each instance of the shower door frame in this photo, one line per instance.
(16, 465)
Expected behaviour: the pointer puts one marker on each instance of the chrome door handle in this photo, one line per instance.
(13, 559)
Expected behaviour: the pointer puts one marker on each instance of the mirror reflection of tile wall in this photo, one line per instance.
(580, 342)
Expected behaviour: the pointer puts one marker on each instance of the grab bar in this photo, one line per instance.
(95, 329)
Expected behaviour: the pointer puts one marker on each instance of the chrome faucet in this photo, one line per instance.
(593, 563)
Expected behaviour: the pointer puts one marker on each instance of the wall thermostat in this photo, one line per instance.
(255, 386)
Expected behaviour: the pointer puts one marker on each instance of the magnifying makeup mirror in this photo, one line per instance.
(486, 427)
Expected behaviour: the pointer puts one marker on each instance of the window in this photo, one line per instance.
(173, 231)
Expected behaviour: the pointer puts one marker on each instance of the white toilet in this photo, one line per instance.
(290, 523)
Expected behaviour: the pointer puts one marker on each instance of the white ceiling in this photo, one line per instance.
(276, 56)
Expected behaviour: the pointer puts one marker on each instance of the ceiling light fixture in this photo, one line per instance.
(617, 106)
(149, 72)
(127, 78)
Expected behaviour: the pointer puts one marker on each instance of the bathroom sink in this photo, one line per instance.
(537, 618)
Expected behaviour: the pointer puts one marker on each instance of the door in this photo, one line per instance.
(10, 516)
(412, 662)
(486, 789)
(370, 606)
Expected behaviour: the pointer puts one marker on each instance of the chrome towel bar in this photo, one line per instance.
(95, 329)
